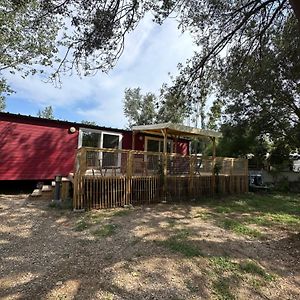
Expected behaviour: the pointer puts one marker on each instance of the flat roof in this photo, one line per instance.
(177, 130)
(28, 118)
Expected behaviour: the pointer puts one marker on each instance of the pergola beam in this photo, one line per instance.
(177, 129)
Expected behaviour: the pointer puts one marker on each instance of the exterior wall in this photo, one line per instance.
(182, 145)
(35, 149)
(38, 149)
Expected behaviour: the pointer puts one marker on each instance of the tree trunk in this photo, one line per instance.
(296, 7)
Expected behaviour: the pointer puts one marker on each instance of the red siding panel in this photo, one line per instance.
(182, 144)
(35, 151)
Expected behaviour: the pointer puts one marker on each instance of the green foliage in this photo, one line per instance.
(5, 90)
(261, 89)
(253, 268)
(146, 109)
(180, 243)
(239, 228)
(240, 140)
(105, 230)
(228, 273)
(138, 108)
(82, 225)
(223, 264)
(27, 39)
(46, 113)
(88, 122)
(222, 289)
(171, 108)
(278, 210)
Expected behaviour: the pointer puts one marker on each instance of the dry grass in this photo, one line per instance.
(233, 249)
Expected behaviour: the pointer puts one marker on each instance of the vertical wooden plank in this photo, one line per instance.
(128, 177)
(246, 175)
(231, 175)
(213, 179)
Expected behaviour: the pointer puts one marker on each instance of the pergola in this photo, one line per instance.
(175, 131)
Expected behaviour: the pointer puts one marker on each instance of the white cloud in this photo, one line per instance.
(151, 52)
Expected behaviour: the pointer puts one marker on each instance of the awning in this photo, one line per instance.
(176, 130)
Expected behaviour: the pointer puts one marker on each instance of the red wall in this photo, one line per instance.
(38, 149)
(35, 149)
(182, 145)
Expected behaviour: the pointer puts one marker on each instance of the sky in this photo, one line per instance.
(152, 51)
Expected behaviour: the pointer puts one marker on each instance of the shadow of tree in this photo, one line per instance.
(43, 257)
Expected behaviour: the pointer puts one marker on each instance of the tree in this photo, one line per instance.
(139, 109)
(92, 32)
(96, 31)
(171, 108)
(262, 89)
(27, 39)
(46, 113)
(88, 123)
(4, 90)
(146, 109)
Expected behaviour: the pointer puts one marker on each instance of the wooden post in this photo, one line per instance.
(231, 176)
(133, 140)
(175, 144)
(128, 177)
(213, 181)
(192, 175)
(246, 176)
(165, 164)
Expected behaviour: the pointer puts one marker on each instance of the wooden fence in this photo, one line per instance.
(106, 178)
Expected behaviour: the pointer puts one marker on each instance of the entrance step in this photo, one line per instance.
(36, 193)
(47, 188)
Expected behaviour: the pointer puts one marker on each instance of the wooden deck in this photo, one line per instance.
(106, 178)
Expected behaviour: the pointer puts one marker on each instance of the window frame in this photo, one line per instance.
(147, 138)
(100, 140)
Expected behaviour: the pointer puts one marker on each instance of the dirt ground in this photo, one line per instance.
(156, 252)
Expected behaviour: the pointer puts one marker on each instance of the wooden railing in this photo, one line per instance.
(112, 177)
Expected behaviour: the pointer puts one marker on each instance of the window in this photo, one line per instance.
(100, 139)
(157, 145)
(90, 139)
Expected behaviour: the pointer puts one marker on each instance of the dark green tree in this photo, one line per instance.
(46, 113)
(262, 90)
(171, 107)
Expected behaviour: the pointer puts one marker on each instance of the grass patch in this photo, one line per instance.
(172, 222)
(239, 228)
(179, 243)
(222, 264)
(66, 204)
(95, 217)
(105, 230)
(121, 213)
(222, 289)
(226, 272)
(82, 225)
(181, 246)
(261, 203)
(254, 269)
(269, 220)
(192, 287)
(202, 215)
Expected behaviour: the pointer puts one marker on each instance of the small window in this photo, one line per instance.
(90, 139)
(157, 145)
(99, 139)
